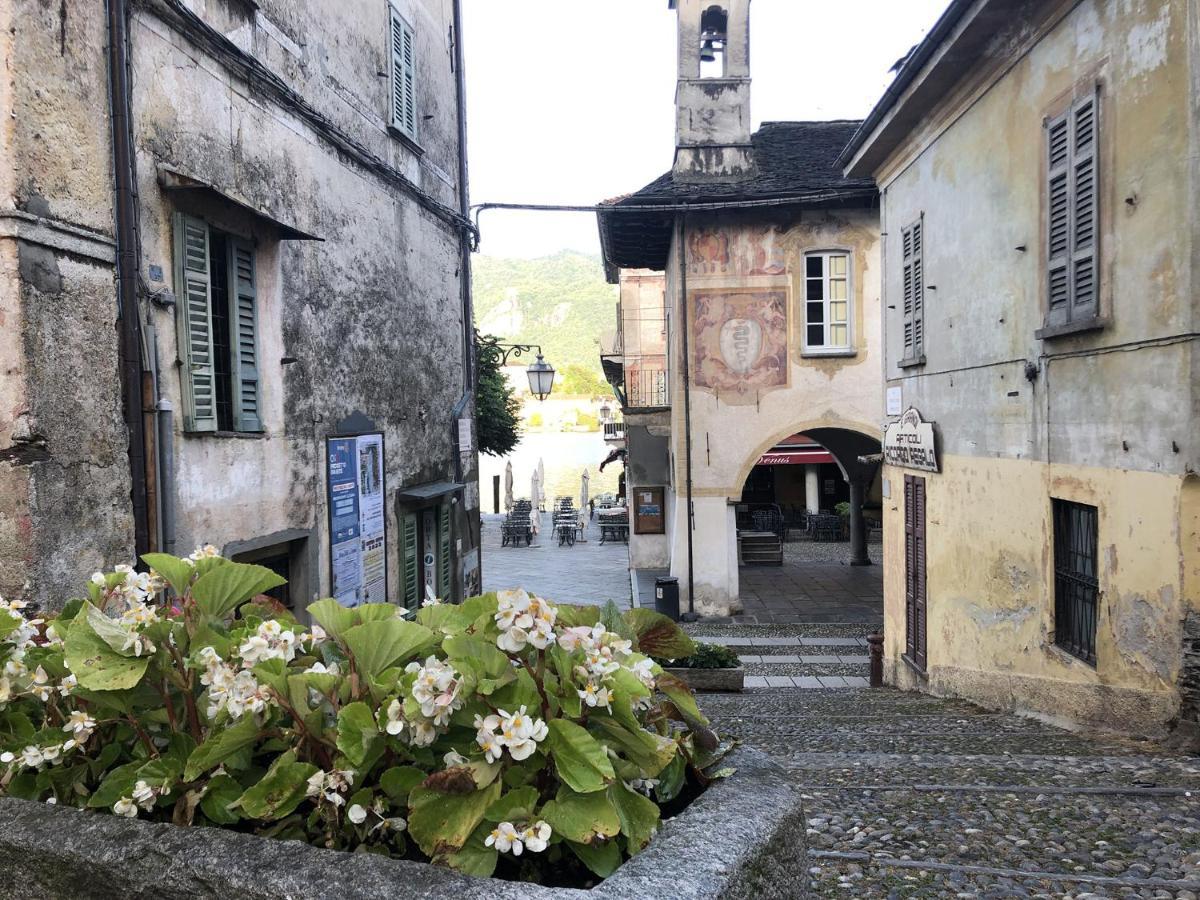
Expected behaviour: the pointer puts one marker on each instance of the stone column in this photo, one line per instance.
(858, 528)
(812, 488)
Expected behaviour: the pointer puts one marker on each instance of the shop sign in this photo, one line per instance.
(909, 443)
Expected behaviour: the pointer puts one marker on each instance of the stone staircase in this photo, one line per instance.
(760, 548)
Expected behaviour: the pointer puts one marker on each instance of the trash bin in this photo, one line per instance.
(666, 597)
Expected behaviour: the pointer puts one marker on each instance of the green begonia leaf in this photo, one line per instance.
(356, 732)
(177, 572)
(222, 793)
(681, 695)
(333, 617)
(220, 746)
(516, 805)
(475, 858)
(670, 779)
(398, 782)
(579, 758)
(116, 784)
(108, 630)
(7, 623)
(442, 823)
(651, 752)
(656, 635)
(224, 588)
(378, 645)
(582, 817)
(575, 616)
(639, 816)
(95, 664)
(280, 791)
(603, 859)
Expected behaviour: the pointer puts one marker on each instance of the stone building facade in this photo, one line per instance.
(770, 262)
(299, 267)
(1038, 168)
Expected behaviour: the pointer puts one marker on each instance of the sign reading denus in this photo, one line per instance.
(909, 442)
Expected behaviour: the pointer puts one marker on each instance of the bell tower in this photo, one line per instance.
(712, 96)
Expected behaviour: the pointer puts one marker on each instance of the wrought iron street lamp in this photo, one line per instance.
(540, 372)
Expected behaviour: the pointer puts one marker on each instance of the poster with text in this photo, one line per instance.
(357, 519)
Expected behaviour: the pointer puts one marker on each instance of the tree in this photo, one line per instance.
(497, 411)
(579, 380)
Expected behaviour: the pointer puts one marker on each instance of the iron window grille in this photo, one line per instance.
(1076, 587)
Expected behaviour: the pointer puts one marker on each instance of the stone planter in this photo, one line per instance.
(742, 839)
(712, 679)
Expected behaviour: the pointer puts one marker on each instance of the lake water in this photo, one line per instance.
(565, 455)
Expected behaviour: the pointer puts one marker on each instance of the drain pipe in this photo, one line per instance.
(129, 316)
(690, 615)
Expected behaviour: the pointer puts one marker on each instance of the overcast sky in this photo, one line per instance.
(572, 102)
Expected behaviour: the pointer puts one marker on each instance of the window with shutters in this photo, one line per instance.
(427, 554)
(827, 312)
(913, 242)
(915, 574)
(1072, 217)
(1076, 586)
(402, 112)
(217, 324)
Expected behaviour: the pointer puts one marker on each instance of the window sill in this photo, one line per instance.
(1079, 326)
(912, 665)
(406, 140)
(820, 354)
(1067, 657)
(911, 361)
(242, 435)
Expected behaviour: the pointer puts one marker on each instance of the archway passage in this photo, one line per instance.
(808, 530)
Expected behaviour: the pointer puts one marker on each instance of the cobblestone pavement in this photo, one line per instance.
(589, 572)
(913, 796)
(814, 584)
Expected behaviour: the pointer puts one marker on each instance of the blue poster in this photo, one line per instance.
(343, 490)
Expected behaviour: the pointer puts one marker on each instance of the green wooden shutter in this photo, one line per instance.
(1058, 221)
(913, 239)
(403, 75)
(908, 295)
(193, 316)
(410, 565)
(243, 316)
(445, 556)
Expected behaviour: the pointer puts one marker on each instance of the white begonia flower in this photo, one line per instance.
(143, 795)
(357, 814)
(81, 725)
(139, 614)
(454, 758)
(15, 666)
(644, 670)
(53, 639)
(486, 737)
(430, 598)
(521, 733)
(505, 838)
(126, 807)
(99, 580)
(32, 757)
(395, 718)
(330, 785)
(423, 734)
(141, 646)
(537, 836)
(522, 620)
(317, 636)
(207, 551)
(642, 785)
(513, 640)
(67, 685)
(594, 695)
(40, 685)
(438, 690)
(7, 756)
(322, 669)
(271, 641)
(5, 690)
(51, 752)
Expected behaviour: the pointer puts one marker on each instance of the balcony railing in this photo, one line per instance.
(646, 382)
(614, 431)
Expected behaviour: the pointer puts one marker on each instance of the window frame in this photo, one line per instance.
(826, 349)
(1069, 636)
(399, 69)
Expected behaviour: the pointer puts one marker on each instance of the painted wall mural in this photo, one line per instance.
(740, 340)
(744, 250)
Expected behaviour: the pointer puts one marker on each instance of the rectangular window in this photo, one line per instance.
(915, 574)
(913, 240)
(427, 555)
(1076, 587)
(1072, 214)
(403, 75)
(217, 322)
(826, 301)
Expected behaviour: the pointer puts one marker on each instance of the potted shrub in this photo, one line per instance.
(505, 736)
(710, 667)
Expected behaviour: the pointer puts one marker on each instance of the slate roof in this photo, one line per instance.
(792, 159)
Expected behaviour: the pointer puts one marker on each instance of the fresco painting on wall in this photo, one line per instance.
(749, 250)
(740, 338)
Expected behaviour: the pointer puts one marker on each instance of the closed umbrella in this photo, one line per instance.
(535, 500)
(541, 481)
(583, 490)
(508, 481)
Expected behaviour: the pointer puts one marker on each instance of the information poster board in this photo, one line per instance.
(357, 519)
(648, 515)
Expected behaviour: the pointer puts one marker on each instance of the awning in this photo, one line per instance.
(795, 457)
(172, 179)
(431, 490)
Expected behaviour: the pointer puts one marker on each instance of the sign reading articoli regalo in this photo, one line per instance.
(909, 442)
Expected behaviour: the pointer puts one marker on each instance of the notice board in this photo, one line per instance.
(648, 514)
(357, 520)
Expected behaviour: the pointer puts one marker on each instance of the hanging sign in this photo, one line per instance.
(909, 443)
(357, 523)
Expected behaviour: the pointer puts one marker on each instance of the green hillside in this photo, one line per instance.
(561, 302)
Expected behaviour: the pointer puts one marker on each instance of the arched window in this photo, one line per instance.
(827, 313)
(714, 39)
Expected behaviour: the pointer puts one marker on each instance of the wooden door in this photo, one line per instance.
(915, 576)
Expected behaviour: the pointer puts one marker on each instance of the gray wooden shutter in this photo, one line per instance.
(444, 554)
(913, 239)
(409, 564)
(243, 316)
(193, 317)
(1083, 209)
(403, 72)
(1058, 221)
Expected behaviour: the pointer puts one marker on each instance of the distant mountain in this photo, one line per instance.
(561, 302)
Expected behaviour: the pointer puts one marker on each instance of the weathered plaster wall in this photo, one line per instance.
(1107, 418)
(64, 475)
(732, 428)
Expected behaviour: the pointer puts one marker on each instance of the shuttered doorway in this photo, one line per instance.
(915, 577)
